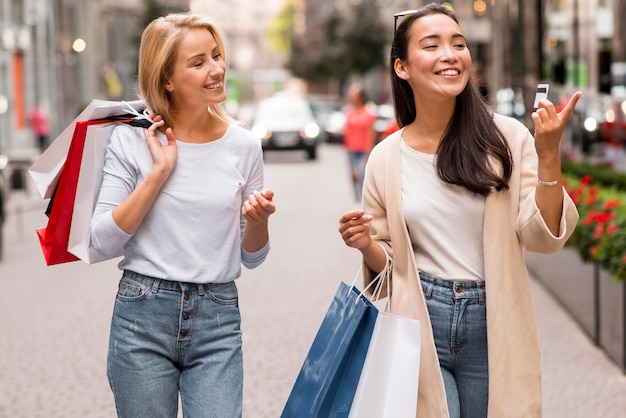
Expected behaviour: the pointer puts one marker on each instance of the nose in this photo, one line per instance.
(217, 68)
(448, 54)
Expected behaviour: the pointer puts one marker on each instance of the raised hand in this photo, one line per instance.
(549, 125)
(354, 228)
(163, 156)
(258, 207)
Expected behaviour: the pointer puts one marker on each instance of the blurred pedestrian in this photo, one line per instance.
(184, 200)
(41, 128)
(453, 199)
(359, 136)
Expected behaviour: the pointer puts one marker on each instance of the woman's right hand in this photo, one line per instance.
(354, 229)
(163, 156)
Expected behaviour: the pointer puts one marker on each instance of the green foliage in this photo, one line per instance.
(602, 175)
(281, 28)
(347, 41)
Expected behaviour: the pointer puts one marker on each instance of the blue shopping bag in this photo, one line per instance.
(328, 379)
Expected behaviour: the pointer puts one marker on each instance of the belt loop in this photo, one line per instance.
(481, 292)
(201, 289)
(154, 286)
(428, 288)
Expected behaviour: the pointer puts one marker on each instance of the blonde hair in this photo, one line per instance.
(157, 55)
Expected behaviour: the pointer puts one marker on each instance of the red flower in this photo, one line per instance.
(586, 179)
(598, 231)
(611, 229)
(612, 203)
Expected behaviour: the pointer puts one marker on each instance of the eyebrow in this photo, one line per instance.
(202, 54)
(456, 35)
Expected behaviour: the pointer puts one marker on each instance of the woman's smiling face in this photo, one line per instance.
(199, 71)
(438, 61)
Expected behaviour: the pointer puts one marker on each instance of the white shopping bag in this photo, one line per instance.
(88, 187)
(389, 381)
(47, 168)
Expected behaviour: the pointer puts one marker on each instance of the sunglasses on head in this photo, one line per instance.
(399, 15)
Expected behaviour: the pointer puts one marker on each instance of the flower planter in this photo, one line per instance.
(590, 295)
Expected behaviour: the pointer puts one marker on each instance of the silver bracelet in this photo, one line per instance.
(547, 183)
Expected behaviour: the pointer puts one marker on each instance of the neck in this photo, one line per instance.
(198, 126)
(429, 126)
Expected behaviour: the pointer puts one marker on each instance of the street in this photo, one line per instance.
(54, 321)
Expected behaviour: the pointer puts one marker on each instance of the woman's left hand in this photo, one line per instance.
(259, 206)
(549, 125)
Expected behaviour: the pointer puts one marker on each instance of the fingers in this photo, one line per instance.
(259, 206)
(569, 108)
(354, 228)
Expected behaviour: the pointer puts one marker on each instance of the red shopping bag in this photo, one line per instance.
(55, 236)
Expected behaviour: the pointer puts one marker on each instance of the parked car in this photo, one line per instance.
(286, 123)
(4, 161)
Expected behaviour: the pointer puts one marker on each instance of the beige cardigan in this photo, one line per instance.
(512, 223)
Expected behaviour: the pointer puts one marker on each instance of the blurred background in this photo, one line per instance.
(58, 55)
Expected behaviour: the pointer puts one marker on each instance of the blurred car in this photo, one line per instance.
(335, 127)
(327, 110)
(385, 121)
(3, 198)
(286, 123)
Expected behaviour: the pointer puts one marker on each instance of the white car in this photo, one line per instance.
(286, 123)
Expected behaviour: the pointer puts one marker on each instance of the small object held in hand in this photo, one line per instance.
(547, 183)
(542, 93)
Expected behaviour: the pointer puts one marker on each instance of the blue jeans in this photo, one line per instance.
(357, 161)
(169, 337)
(459, 319)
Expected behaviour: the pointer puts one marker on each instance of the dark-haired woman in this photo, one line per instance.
(454, 198)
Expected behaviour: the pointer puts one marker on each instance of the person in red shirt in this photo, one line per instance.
(39, 121)
(359, 136)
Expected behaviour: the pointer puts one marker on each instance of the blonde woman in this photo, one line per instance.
(184, 201)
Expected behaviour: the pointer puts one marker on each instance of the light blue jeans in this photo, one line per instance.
(169, 337)
(459, 319)
(357, 161)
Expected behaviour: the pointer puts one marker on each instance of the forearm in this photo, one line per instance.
(255, 236)
(374, 256)
(549, 197)
(129, 214)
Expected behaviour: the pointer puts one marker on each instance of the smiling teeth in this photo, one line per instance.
(214, 86)
(449, 72)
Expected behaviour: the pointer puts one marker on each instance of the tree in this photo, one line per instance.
(349, 40)
(281, 28)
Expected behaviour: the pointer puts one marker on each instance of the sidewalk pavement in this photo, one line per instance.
(579, 379)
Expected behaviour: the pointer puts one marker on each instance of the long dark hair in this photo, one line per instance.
(471, 136)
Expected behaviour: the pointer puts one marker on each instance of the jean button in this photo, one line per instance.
(185, 316)
(184, 333)
(458, 289)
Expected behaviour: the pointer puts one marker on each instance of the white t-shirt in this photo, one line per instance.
(445, 221)
(193, 231)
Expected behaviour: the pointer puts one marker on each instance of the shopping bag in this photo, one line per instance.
(389, 380)
(87, 190)
(327, 382)
(46, 170)
(54, 237)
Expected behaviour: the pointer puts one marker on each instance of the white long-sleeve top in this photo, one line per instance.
(193, 231)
